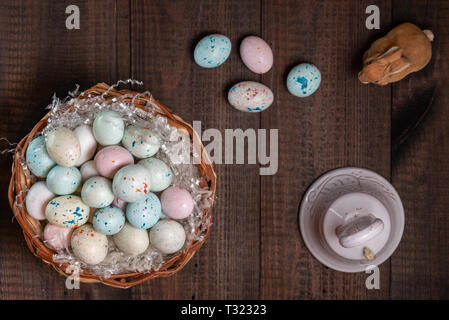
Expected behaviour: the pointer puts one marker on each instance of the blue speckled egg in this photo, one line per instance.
(145, 213)
(108, 128)
(97, 192)
(141, 142)
(161, 174)
(131, 183)
(109, 220)
(67, 211)
(303, 80)
(63, 180)
(212, 50)
(37, 158)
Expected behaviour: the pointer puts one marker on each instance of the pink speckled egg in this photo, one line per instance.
(119, 203)
(177, 203)
(256, 54)
(110, 159)
(56, 237)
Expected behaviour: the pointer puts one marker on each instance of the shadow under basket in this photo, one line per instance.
(21, 181)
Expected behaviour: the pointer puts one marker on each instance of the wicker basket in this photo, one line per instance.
(20, 181)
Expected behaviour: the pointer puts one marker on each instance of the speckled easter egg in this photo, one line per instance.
(303, 80)
(177, 203)
(256, 54)
(109, 220)
(168, 236)
(37, 199)
(56, 237)
(89, 245)
(132, 240)
(108, 128)
(144, 214)
(63, 180)
(212, 50)
(110, 159)
(63, 146)
(131, 183)
(88, 144)
(97, 192)
(119, 203)
(161, 175)
(37, 158)
(89, 170)
(67, 211)
(250, 96)
(141, 142)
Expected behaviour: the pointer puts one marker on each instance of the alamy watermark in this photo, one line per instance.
(235, 146)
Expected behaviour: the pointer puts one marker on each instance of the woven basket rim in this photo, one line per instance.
(20, 181)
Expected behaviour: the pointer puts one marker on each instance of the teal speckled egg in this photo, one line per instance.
(108, 128)
(145, 213)
(63, 180)
(303, 80)
(109, 220)
(161, 174)
(37, 158)
(212, 51)
(141, 142)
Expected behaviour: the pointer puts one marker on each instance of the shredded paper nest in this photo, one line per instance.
(173, 142)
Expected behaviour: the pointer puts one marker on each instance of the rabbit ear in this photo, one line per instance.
(391, 55)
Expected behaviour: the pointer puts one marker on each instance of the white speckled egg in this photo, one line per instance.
(89, 245)
(212, 50)
(131, 183)
(132, 240)
(256, 54)
(56, 237)
(88, 144)
(109, 220)
(168, 236)
(250, 96)
(141, 142)
(97, 192)
(37, 158)
(144, 214)
(63, 180)
(303, 80)
(89, 170)
(37, 199)
(161, 175)
(63, 146)
(67, 211)
(108, 128)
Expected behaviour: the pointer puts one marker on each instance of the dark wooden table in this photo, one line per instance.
(255, 249)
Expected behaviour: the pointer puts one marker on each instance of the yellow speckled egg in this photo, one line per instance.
(67, 211)
(89, 245)
(63, 146)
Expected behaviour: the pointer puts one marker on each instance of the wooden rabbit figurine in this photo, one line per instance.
(405, 49)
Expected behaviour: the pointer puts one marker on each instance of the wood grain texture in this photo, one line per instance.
(255, 249)
(227, 267)
(344, 123)
(39, 56)
(420, 172)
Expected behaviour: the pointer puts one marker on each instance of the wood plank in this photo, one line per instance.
(419, 171)
(163, 38)
(39, 56)
(344, 123)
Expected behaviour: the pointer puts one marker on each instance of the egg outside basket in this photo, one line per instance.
(21, 181)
